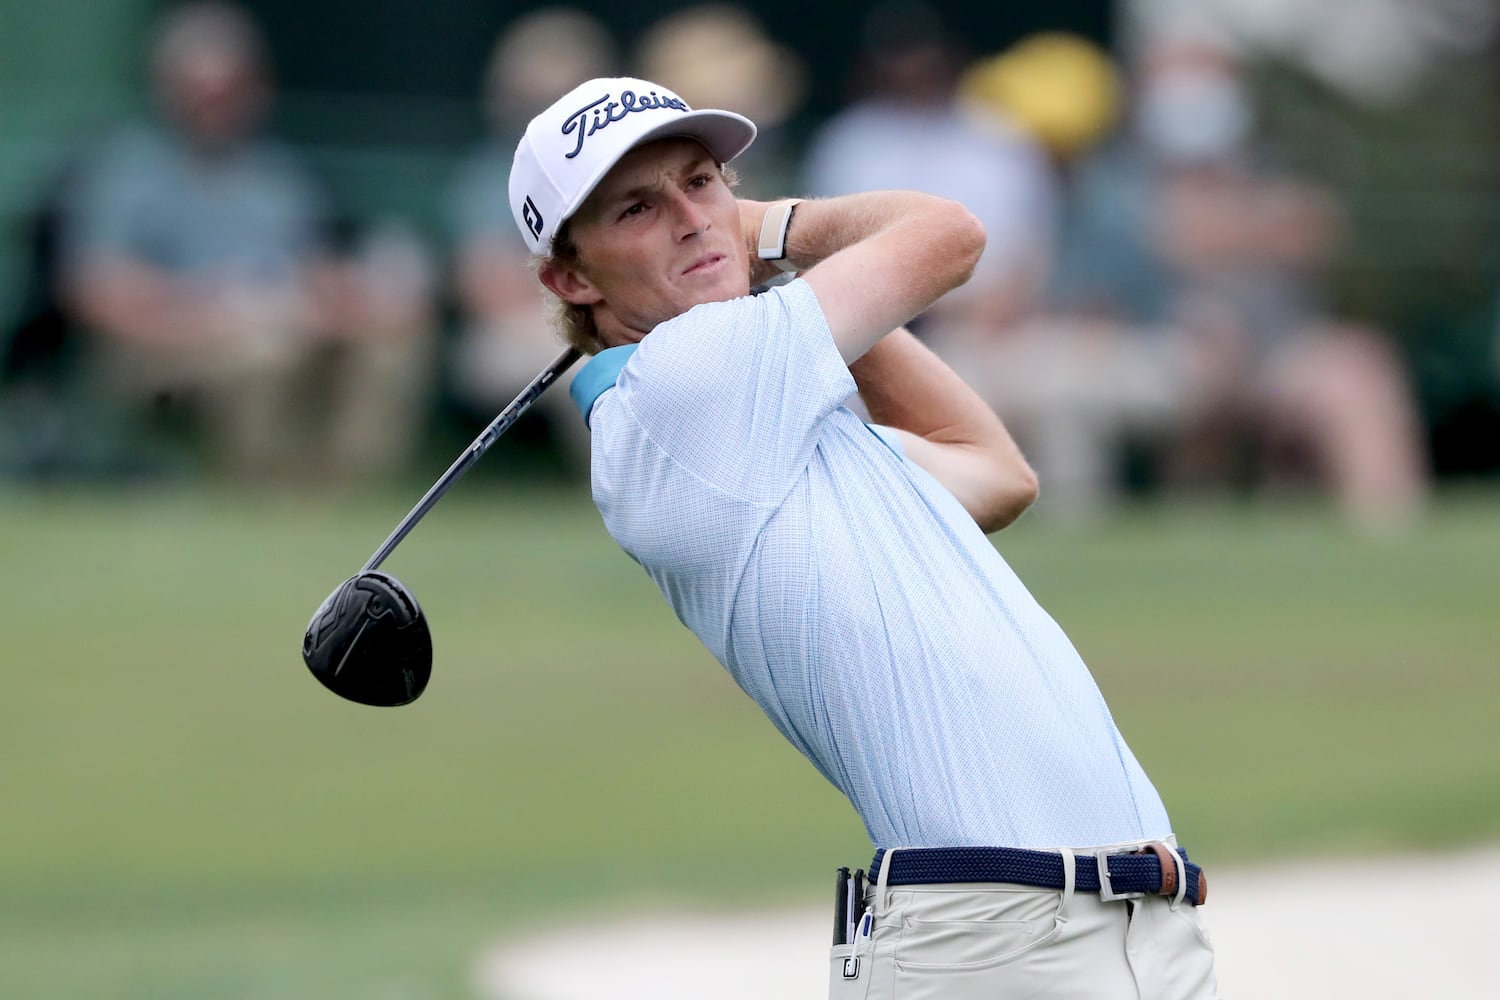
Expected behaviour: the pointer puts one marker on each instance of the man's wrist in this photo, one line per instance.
(773, 231)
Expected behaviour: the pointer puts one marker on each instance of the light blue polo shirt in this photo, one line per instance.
(251, 215)
(849, 593)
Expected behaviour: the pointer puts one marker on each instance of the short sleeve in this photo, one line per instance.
(103, 200)
(735, 392)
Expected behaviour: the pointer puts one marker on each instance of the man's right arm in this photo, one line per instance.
(946, 428)
(875, 260)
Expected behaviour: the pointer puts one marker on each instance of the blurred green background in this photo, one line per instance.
(186, 814)
(189, 814)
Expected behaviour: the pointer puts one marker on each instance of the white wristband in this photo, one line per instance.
(773, 229)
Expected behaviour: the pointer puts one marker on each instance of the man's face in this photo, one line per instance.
(215, 97)
(659, 235)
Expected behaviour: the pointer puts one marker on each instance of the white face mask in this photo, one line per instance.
(1193, 116)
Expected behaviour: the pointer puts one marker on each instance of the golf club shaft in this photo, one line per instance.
(481, 444)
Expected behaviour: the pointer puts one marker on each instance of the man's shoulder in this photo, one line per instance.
(134, 146)
(129, 164)
(860, 119)
(147, 149)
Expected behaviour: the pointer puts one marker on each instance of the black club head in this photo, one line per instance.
(369, 642)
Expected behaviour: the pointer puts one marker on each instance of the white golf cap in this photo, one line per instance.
(568, 148)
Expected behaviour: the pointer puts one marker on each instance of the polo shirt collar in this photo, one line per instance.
(597, 376)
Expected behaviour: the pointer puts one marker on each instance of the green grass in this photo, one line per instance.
(186, 814)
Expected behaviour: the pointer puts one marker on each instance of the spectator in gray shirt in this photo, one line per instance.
(194, 253)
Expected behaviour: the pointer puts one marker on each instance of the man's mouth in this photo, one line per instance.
(704, 264)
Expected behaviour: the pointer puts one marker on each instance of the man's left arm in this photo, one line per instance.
(946, 428)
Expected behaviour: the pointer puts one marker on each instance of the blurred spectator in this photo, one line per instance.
(194, 253)
(1183, 224)
(718, 56)
(1059, 88)
(1187, 313)
(907, 129)
(1070, 388)
(505, 336)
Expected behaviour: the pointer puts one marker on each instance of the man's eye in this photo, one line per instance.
(635, 209)
(701, 180)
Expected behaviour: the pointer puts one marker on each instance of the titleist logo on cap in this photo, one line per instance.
(614, 111)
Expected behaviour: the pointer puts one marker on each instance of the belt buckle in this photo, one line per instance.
(1106, 887)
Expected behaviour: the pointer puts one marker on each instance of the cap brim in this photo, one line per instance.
(723, 133)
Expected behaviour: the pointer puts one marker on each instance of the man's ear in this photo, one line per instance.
(568, 283)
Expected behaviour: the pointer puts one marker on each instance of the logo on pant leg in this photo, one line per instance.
(851, 967)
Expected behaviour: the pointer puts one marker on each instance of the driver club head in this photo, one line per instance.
(369, 642)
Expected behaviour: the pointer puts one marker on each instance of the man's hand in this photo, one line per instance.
(876, 260)
(752, 214)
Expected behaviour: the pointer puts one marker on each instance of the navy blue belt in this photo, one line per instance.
(1149, 871)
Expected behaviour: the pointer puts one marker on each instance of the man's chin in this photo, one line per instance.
(720, 295)
(729, 286)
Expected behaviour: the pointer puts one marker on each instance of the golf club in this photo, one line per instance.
(369, 641)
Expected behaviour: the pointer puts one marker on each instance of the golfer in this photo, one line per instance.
(839, 569)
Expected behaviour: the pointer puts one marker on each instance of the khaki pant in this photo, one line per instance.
(285, 403)
(999, 941)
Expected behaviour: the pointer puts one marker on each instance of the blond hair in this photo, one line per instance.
(574, 323)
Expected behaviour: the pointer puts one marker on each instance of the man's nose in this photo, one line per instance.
(691, 217)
